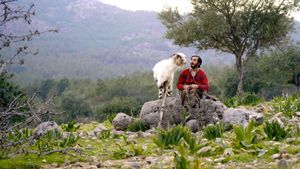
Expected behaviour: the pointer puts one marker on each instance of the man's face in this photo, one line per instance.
(194, 62)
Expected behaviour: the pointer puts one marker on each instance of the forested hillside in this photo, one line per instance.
(96, 40)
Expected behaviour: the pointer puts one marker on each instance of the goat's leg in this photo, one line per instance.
(170, 87)
(160, 91)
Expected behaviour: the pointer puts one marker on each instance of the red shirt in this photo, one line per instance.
(186, 78)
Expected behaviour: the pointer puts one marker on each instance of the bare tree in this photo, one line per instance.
(11, 13)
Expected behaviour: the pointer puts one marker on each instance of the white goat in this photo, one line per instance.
(163, 73)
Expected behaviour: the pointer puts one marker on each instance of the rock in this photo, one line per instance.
(121, 121)
(249, 166)
(297, 113)
(276, 156)
(228, 152)
(117, 133)
(282, 164)
(150, 112)
(205, 111)
(131, 165)
(193, 125)
(205, 150)
(99, 128)
(218, 160)
(44, 127)
(235, 116)
(241, 116)
(67, 162)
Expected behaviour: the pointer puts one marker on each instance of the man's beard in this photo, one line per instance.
(194, 66)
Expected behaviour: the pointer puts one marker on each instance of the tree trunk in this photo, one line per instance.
(240, 69)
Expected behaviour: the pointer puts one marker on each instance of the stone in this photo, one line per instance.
(228, 152)
(276, 156)
(42, 128)
(241, 116)
(121, 121)
(193, 125)
(204, 111)
(282, 164)
(297, 113)
(205, 150)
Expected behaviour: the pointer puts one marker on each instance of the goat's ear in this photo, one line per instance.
(173, 55)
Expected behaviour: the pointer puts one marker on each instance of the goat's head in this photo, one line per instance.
(179, 59)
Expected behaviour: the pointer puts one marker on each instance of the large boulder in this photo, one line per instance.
(204, 111)
(150, 112)
(42, 128)
(241, 116)
(121, 121)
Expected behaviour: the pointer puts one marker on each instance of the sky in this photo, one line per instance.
(158, 5)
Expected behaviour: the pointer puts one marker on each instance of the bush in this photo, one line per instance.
(169, 139)
(214, 131)
(127, 105)
(245, 136)
(287, 105)
(72, 126)
(137, 126)
(275, 131)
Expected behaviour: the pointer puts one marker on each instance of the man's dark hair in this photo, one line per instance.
(199, 60)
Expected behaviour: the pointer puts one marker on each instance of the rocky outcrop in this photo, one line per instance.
(121, 121)
(195, 115)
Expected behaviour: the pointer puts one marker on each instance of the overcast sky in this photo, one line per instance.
(158, 5)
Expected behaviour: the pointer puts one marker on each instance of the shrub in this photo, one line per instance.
(72, 126)
(275, 131)
(137, 126)
(105, 134)
(169, 139)
(214, 131)
(245, 136)
(287, 105)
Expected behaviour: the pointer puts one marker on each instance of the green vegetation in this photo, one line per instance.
(72, 126)
(167, 139)
(214, 131)
(275, 131)
(137, 125)
(245, 137)
(231, 30)
(288, 105)
(249, 99)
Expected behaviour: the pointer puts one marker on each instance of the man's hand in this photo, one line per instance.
(194, 86)
(186, 87)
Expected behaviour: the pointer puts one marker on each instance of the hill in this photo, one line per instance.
(96, 40)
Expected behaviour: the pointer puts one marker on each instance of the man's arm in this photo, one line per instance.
(180, 82)
(203, 83)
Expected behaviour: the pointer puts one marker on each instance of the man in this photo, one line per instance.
(192, 81)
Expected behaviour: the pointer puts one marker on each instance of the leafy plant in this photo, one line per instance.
(69, 141)
(169, 139)
(214, 131)
(182, 161)
(72, 126)
(275, 131)
(137, 126)
(105, 134)
(287, 105)
(245, 136)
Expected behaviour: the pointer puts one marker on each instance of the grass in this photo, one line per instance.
(32, 161)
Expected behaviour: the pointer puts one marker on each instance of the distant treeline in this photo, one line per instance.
(271, 74)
